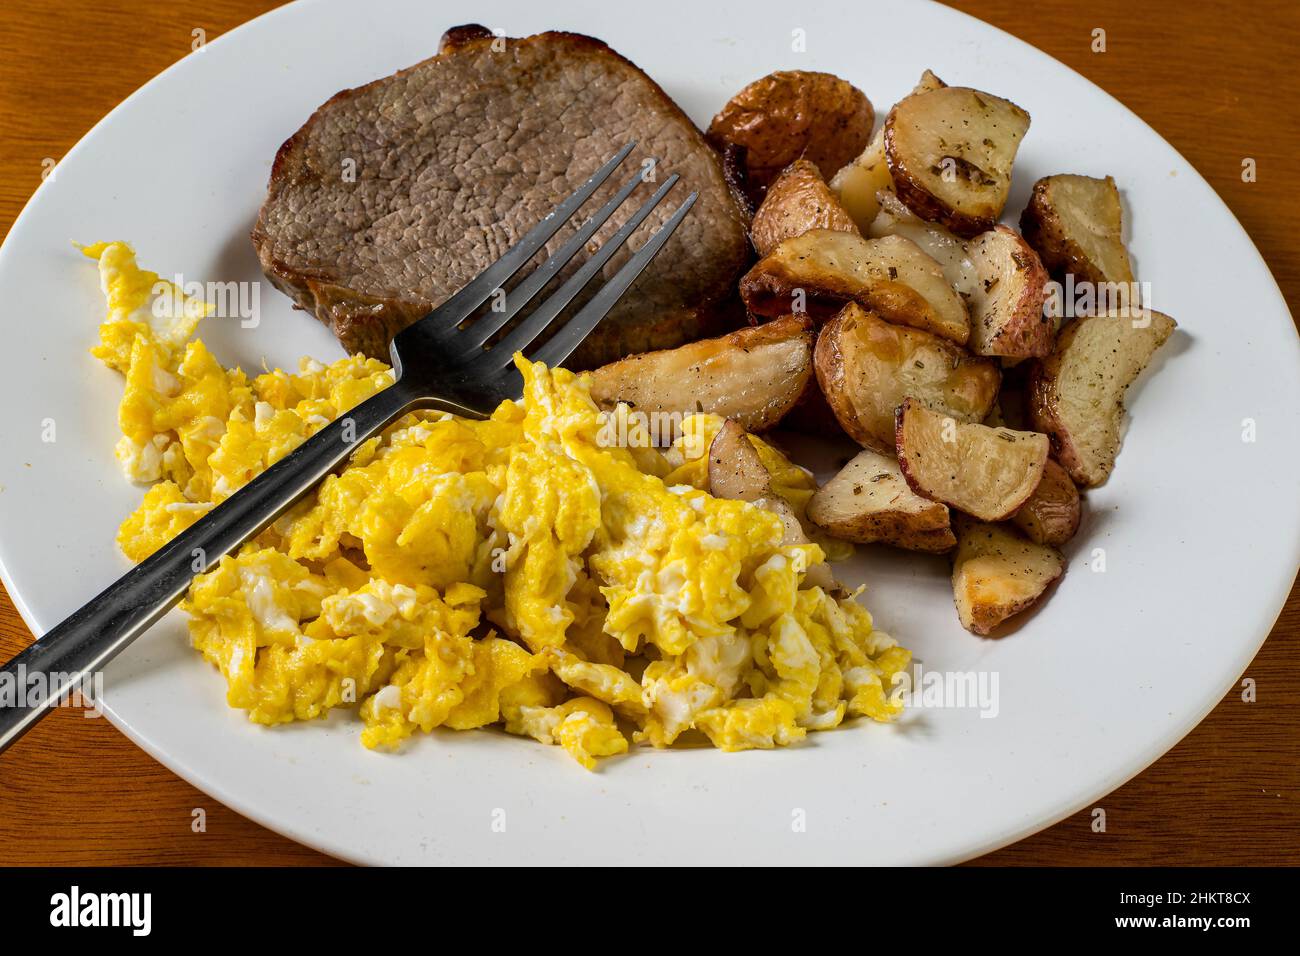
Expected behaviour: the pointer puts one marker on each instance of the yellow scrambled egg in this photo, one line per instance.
(519, 571)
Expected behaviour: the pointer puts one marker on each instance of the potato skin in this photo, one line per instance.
(1044, 227)
(792, 114)
(961, 384)
(828, 365)
(919, 199)
(891, 276)
(798, 200)
(735, 470)
(915, 428)
(997, 573)
(868, 502)
(1042, 399)
(695, 375)
(1007, 317)
(982, 201)
(1051, 515)
(897, 532)
(1120, 358)
(909, 539)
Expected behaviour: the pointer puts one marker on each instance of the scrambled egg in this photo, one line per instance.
(516, 571)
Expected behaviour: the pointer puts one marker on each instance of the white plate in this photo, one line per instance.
(1200, 529)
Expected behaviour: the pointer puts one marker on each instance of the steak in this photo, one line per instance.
(395, 194)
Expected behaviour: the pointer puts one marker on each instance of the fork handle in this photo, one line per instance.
(67, 655)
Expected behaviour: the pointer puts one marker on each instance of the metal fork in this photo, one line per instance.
(436, 364)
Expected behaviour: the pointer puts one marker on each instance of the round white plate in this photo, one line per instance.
(1199, 529)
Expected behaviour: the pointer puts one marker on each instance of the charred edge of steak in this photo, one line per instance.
(736, 173)
(462, 36)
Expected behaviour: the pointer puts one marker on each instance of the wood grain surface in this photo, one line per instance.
(1213, 79)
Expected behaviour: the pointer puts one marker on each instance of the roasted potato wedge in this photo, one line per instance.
(1076, 394)
(857, 186)
(890, 276)
(795, 114)
(950, 151)
(1051, 515)
(998, 573)
(754, 375)
(985, 472)
(1006, 297)
(736, 472)
(1075, 223)
(797, 201)
(867, 366)
(870, 501)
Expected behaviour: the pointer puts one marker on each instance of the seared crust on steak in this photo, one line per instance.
(395, 194)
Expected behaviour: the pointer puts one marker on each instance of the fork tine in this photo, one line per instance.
(561, 345)
(486, 326)
(461, 305)
(544, 314)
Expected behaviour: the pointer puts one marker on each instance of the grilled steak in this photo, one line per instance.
(397, 193)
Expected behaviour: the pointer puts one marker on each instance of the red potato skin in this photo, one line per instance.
(1044, 399)
(797, 201)
(767, 294)
(1052, 514)
(745, 339)
(826, 363)
(921, 202)
(1042, 229)
(908, 476)
(911, 479)
(899, 412)
(1041, 393)
(1027, 333)
(793, 114)
(830, 369)
(939, 541)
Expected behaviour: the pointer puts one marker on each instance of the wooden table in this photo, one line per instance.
(1216, 83)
